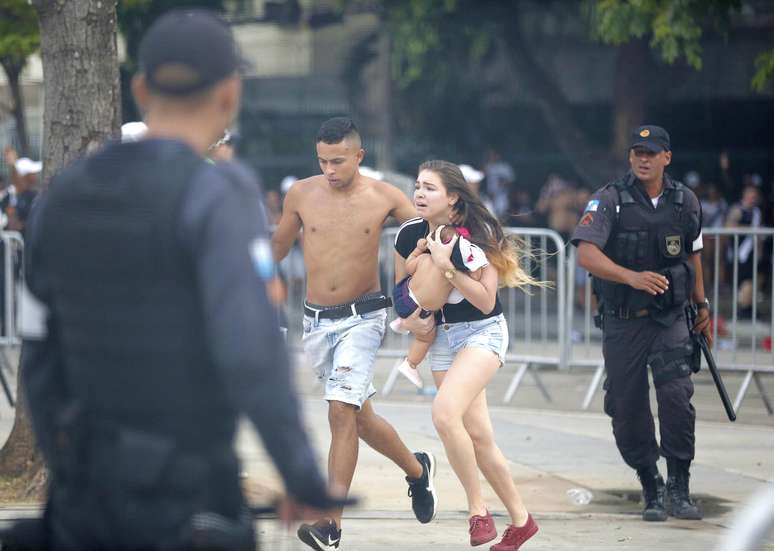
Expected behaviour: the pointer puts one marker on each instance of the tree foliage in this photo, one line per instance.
(436, 64)
(19, 37)
(19, 34)
(452, 60)
(764, 65)
(675, 27)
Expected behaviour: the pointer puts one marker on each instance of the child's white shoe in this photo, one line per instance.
(410, 373)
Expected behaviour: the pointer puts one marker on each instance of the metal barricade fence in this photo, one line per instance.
(582, 331)
(747, 345)
(744, 345)
(536, 322)
(545, 328)
(12, 281)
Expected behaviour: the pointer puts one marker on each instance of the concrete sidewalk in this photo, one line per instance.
(550, 452)
(552, 448)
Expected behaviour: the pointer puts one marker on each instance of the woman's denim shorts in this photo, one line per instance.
(489, 334)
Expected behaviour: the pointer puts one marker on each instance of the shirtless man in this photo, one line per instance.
(342, 213)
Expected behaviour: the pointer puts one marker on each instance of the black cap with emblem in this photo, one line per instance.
(187, 51)
(652, 138)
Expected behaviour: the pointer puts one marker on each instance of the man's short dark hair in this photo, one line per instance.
(336, 129)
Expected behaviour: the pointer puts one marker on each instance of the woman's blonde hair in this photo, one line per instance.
(505, 252)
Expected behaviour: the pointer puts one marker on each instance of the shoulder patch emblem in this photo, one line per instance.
(263, 261)
(592, 206)
(586, 219)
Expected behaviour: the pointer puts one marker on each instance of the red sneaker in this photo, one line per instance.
(482, 529)
(515, 536)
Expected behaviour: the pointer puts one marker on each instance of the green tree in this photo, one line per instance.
(443, 49)
(134, 18)
(19, 38)
(765, 70)
(80, 62)
(673, 30)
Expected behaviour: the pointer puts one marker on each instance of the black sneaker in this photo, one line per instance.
(322, 535)
(421, 491)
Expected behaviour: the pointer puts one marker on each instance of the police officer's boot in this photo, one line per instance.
(652, 494)
(678, 499)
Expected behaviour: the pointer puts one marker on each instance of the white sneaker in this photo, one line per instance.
(410, 373)
(397, 326)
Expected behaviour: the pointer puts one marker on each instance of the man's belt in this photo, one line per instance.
(346, 310)
(626, 313)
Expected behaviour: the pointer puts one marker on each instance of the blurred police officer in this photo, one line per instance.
(640, 237)
(152, 333)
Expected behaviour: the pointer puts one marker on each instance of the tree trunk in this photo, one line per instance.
(630, 91)
(19, 457)
(82, 105)
(81, 82)
(593, 164)
(13, 72)
(386, 160)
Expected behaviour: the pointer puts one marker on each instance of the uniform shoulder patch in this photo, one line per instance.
(587, 219)
(592, 206)
(263, 260)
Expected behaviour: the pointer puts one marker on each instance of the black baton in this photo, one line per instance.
(713, 368)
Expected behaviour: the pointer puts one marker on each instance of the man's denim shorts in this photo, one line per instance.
(489, 334)
(342, 352)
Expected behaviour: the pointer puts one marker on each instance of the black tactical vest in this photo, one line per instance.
(124, 296)
(645, 238)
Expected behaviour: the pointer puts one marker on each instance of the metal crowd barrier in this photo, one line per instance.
(13, 278)
(535, 321)
(554, 327)
(739, 345)
(744, 350)
(583, 347)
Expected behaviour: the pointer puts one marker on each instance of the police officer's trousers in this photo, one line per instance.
(629, 347)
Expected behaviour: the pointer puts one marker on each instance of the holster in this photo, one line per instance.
(671, 364)
(681, 279)
(599, 318)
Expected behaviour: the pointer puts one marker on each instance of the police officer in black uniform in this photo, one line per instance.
(147, 325)
(640, 237)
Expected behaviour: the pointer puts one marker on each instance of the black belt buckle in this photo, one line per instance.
(352, 309)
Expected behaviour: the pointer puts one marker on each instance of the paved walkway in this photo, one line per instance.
(550, 453)
(552, 448)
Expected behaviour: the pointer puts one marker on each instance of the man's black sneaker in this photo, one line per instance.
(421, 490)
(322, 535)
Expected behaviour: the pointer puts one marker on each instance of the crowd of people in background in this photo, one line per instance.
(727, 202)
(559, 203)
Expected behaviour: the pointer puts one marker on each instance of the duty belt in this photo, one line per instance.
(346, 310)
(626, 313)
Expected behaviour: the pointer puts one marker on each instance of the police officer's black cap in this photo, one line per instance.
(187, 51)
(652, 138)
